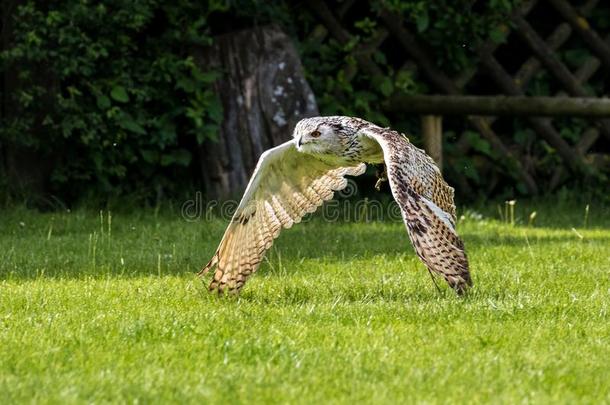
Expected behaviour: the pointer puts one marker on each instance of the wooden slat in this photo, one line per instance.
(548, 58)
(432, 132)
(532, 66)
(543, 127)
(428, 67)
(490, 46)
(439, 79)
(501, 105)
(334, 27)
(425, 61)
(581, 25)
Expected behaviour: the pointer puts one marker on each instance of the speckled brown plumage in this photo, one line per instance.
(426, 202)
(296, 177)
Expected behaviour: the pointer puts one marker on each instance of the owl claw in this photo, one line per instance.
(382, 176)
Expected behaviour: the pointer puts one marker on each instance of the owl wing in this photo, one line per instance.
(285, 186)
(426, 203)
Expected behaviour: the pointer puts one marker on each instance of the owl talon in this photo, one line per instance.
(382, 176)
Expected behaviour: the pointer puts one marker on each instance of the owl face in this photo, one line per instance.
(321, 136)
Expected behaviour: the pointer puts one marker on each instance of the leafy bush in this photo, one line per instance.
(447, 33)
(451, 37)
(109, 92)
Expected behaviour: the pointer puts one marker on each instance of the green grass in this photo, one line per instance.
(93, 310)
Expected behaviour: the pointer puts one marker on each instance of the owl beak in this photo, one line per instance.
(300, 142)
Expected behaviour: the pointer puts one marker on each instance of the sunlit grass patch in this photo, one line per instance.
(105, 307)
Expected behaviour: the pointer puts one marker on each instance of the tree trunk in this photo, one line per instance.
(264, 94)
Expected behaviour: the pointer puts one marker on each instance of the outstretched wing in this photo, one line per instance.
(426, 202)
(285, 186)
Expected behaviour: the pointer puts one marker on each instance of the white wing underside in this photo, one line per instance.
(285, 186)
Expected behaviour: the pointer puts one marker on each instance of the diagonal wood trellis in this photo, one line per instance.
(544, 56)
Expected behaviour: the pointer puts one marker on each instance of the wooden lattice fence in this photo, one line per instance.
(543, 50)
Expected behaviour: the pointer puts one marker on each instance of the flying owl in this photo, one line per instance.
(296, 177)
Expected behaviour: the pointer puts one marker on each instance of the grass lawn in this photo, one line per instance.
(97, 310)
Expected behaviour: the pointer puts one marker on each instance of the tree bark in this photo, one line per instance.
(264, 94)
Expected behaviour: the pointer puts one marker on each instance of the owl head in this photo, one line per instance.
(322, 135)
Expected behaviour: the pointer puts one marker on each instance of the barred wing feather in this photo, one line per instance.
(285, 186)
(426, 202)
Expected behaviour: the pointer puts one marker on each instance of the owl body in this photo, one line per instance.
(295, 178)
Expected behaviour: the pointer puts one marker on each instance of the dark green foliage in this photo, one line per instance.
(109, 92)
(452, 32)
(451, 36)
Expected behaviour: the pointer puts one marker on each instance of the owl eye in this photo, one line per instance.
(315, 134)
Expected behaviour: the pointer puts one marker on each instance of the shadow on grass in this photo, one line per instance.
(328, 242)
